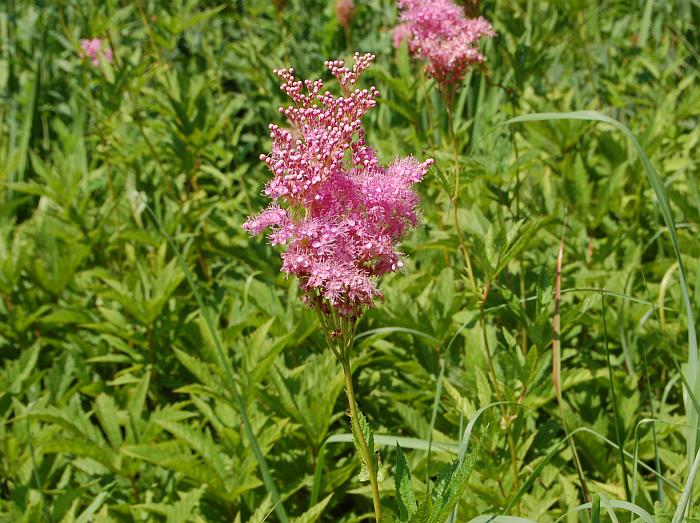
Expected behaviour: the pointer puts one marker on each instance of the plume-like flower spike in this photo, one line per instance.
(439, 32)
(340, 213)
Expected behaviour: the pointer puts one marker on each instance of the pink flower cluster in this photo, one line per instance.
(438, 31)
(92, 49)
(344, 12)
(337, 209)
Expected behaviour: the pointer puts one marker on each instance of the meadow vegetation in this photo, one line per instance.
(535, 359)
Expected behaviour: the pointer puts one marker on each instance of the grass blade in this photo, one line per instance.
(29, 112)
(384, 440)
(390, 330)
(500, 519)
(687, 491)
(618, 420)
(646, 24)
(614, 504)
(595, 511)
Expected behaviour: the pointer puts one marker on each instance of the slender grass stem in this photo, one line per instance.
(556, 364)
(453, 201)
(618, 429)
(645, 366)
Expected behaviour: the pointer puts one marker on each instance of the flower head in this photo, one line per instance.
(339, 212)
(400, 33)
(92, 49)
(344, 11)
(439, 32)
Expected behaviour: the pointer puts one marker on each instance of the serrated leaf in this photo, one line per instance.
(22, 368)
(135, 408)
(102, 455)
(405, 497)
(424, 512)
(315, 512)
(200, 442)
(197, 367)
(182, 509)
(168, 457)
(482, 386)
(55, 415)
(440, 489)
(449, 486)
(87, 515)
(108, 416)
(463, 404)
(455, 486)
(369, 439)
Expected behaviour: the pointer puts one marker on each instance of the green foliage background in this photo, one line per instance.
(117, 404)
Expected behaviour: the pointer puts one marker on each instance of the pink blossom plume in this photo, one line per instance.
(92, 49)
(439, 32)
(340, 213)
(344, 11)
(400, 33)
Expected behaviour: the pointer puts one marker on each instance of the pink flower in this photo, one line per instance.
(344, 11)
(340, 213)
(400, 33)
(92, 49)
(440, 33)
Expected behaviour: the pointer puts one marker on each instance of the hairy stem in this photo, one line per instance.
(364, 449)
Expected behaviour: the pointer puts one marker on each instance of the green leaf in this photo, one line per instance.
(167, 456)
(595, 511)
(197, 367)
(87, 515)
(315, 512)
(369, 439)
(456, 485)
(405, 498)
(200, 442)
(16, 372)
(465, 406)
(108, 416)
(102, 455)
(137, 401)
(181, 510)
(449, 486)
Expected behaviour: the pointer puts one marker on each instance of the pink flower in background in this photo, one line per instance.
(338, 210)
(440, 33)
(92, 49)
(344, 11)
(400, 33)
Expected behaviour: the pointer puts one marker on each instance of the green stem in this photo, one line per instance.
(453, 202)
(364, 449)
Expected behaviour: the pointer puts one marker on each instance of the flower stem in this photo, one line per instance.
(364, 449)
